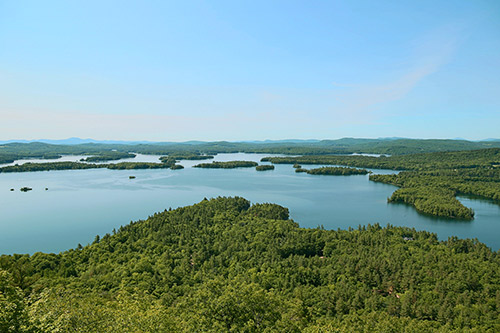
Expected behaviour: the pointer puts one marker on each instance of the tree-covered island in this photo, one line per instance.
(227, 165)
(108, 156)
(333, 171)
(29, 167)
(264, 167)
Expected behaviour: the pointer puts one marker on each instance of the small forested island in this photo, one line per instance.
(189, 156)
(431, 181)
(28, 167)
(137, 165)
(108, 156)
(264, 167)
(227, 165)
(224, 265)
(334, 171)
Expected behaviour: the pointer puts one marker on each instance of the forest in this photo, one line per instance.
(226, 265)
(432, 180)
(333, 171)
(108, 156)
(30, 167)
(264, 167)
(227, 165)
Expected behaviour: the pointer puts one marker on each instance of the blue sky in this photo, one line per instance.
(249, 70)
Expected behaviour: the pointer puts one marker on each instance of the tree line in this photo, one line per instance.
(227, 165)
(333, 171)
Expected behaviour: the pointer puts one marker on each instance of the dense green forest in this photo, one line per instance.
(227, 165)
(108, 156)
(434, 179)
(29, 167)
(482, 158)
(10, 152)
(189, 156)
(224, 265)
(264, 167)
(333, 171)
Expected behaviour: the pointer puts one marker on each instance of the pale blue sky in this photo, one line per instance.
(245, 70)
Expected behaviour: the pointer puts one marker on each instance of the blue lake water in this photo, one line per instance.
(80, 204)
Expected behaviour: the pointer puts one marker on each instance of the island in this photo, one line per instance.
(334, 171)
(108, 156)
(264, 167)
(227, 165)
(30, 167)
(187, 156)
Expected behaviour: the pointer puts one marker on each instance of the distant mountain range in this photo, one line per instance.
(77, 141)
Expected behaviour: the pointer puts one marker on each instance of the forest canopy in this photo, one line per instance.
(227, 265)
(227, 165)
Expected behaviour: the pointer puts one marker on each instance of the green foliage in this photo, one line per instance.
(227, 165)
(224, 265)
(176, 167)
(108, 156)
(334, 171)
(484, 158)
(13, 315)
(29, 167)
(136, 165)
(264, 167)
(188, 156)
(66, 310)
(270, 211)
(436, 201)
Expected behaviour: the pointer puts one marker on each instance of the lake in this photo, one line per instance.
(80, 204)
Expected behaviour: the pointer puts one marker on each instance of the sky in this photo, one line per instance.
(249, 70)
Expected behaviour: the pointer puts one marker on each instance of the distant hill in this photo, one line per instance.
(343, 142)
(76, 141)
(11, 151)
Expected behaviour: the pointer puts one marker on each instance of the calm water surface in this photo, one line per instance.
(82, 203)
